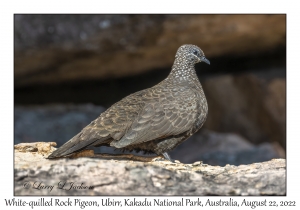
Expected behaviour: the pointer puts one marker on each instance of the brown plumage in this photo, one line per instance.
(153, 120)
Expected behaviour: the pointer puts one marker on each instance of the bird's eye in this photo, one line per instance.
(195, 52)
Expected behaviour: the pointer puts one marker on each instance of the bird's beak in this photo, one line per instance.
(205, 60)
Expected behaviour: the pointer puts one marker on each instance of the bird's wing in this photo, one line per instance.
(115, 121)
(111, 124)
(165, 114)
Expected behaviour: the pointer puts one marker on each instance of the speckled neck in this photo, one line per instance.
(183, 72)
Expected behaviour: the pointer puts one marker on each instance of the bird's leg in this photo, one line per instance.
(166, 156)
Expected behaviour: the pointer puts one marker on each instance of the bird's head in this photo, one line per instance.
(191, 53)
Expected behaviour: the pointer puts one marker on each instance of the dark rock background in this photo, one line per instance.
(70, 68)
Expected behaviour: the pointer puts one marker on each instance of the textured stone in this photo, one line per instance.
(35, 123)
(157, 177)
(249, 105)
(215, 148)
(58, 48)
(40, 147)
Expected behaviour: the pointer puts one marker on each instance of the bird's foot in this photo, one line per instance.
(166, 156)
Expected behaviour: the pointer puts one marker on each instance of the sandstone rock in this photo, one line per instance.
(34, 175)
(59, 48)
(36, 123)
(39, 147)
(275, 104)
(225, 148)
(251, 106)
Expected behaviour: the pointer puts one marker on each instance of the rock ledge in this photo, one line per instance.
(115, 175)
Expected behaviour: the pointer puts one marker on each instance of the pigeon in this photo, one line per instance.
(154, 120)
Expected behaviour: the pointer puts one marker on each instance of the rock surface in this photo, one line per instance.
(219, 149)
(35, 123)
(249, 105)
(34, 175)
(59, 48)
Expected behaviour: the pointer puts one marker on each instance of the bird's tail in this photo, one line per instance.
(75, 144)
